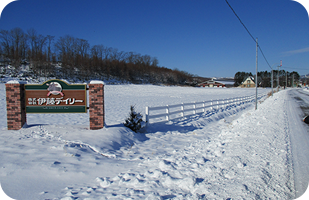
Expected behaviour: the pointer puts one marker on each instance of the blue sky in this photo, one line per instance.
(202, 37)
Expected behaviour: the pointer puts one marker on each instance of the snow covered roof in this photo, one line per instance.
(250, 77)
(212, 82)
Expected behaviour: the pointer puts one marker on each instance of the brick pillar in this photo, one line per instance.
(96, 105)
(15, 105)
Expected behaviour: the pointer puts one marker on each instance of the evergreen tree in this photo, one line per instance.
(135, 120)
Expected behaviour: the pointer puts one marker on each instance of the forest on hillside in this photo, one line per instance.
(69, 57)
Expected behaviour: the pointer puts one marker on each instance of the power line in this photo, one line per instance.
(265, 57)
(248, 33)
(240, 20)
(295, 68)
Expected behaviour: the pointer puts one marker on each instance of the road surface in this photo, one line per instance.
(297, 108)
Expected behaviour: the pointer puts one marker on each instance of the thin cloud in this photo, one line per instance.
(293, 52)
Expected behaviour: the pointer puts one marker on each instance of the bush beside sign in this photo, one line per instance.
(55, 96)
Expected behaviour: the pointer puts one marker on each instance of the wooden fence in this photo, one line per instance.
(169, 112)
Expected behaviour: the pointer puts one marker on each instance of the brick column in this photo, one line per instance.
(96, 105)
(15, 105)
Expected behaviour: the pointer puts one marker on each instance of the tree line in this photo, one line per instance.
(70, 57)
(264, 78)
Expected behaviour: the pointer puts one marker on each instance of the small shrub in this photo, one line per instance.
(270, 93)
(134, 121)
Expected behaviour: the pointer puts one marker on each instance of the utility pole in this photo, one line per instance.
(278, 77)
(272, 82)
(286, 79)
(278, 74)
(256, 74)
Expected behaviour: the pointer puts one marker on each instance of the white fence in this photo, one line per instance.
(169, 112)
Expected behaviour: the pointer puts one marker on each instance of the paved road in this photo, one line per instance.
(297, 108)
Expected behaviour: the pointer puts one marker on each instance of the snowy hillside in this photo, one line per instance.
(230, 153)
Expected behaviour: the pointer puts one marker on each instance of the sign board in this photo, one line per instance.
(56, 96)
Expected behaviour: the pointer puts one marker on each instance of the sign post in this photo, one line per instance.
(15, 105)
(54, 96)
(96, 105)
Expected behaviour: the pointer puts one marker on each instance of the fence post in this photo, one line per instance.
(182, 110)
(211, 104)
(194, 108)
(147, 115)
(203, 106)
(167, 113)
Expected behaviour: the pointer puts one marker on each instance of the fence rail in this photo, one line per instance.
(169, 112)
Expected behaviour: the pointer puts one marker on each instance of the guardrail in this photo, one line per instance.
(169, 112)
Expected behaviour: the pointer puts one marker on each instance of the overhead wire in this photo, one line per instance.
(240, 20)
(294, 68)
(248, 33)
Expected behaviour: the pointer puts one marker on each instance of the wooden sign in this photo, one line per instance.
(56, 96)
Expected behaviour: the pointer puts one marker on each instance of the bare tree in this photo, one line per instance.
(82, 47)
(65, 48)
(37, 44)
(14, 44)
(6, 43)
(16, 35)
(32, 35)
(49, 41)
(154, 62)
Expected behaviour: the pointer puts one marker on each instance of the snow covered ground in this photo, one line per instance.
(232, 153)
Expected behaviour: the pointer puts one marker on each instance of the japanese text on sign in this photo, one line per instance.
(53, 101)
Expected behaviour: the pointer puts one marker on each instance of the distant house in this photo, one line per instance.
(248, 83)
(211, 83)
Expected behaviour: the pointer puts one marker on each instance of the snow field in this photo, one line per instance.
(239, 159)
(230, 153)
